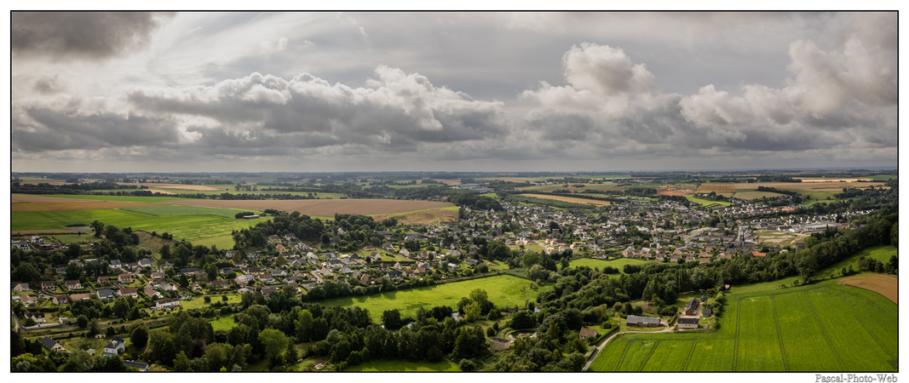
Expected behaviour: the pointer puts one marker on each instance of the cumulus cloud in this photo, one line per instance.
(89, 35)
(841, 97)
(394, 110)
(297, 93)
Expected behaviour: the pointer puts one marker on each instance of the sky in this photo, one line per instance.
(220, 91)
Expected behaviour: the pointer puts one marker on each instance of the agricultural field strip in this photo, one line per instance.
(779, 332)
(633, 343)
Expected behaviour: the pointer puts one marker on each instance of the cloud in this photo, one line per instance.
(707, 90)
(84, 35)
(49, 128)
(394, 111)
(836, 98)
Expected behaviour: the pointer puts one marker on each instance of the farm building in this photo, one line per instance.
(687, 322)
(641, 321)
(692, 308)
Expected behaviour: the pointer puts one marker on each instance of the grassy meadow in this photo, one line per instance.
(199, 225)
(821, 327)
(503, 290)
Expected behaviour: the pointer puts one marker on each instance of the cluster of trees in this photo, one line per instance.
(345, 336)
(66, 188)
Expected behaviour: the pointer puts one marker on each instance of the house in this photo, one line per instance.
(114, 347)
(136, 365)
(687, 322)
(128, 292)
(72, 285)
(758, 254)
(125, 278)
(587, 332)
(641, 321)
(145, 262)
(166, 303)
(48, 286)
(60, 299)
(105, 293)
(52, 345)
(21, 287)
(692, 308)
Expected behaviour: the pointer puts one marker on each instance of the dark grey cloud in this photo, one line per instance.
(87, 35)
(42, 128)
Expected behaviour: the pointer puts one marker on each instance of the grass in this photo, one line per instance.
(707, 202)
(821, 327)
(503, 290)
(403, 366)
(880, 253)
(223, 323)
(199, 302)
(199, 225)
(601, 263)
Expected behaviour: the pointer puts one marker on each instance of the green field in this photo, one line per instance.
(821, 327)
(601, 263)
(503, 290)
(199, 225)
(223, 323)
(706, 202)
(880, 253)
(403, 366)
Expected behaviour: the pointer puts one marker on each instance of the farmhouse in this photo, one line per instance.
(641, 321)
(688, 322)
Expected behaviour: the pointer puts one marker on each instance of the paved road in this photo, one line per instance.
(608, 339)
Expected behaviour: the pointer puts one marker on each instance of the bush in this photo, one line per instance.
(467, 365)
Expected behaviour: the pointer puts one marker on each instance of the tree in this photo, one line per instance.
(274, 342)
(392, 319)
(139, 337)
(522, 320)
(98, 228)
(162, 348)
(470, 343)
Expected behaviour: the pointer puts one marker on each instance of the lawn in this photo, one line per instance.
(199, 302)
(199, 225)
(403, 366)
(618, 263)
(223, 323)
(707, 202)
(503, 290)
(880, 253)
(821, 327)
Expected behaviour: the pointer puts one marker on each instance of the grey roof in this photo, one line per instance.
(640, 319)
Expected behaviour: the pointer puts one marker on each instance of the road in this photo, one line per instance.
(608, 339)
